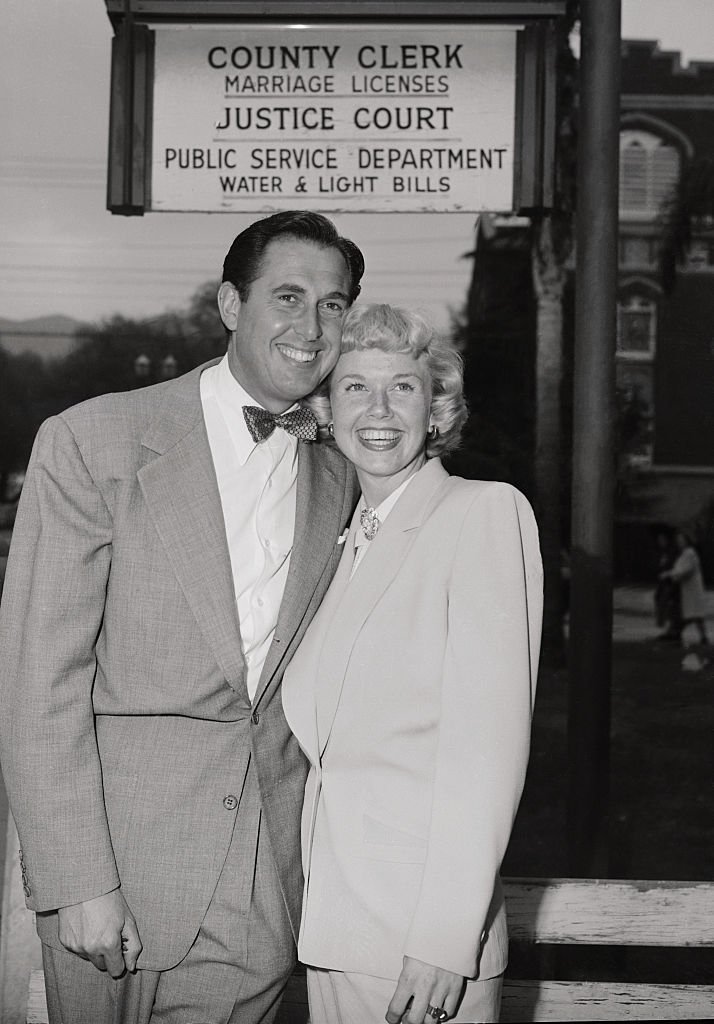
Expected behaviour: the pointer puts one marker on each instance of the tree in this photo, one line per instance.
(115, 355)
(205, 334)
(687, 212)
(517, 294)
(496, 334)
(551, 248)
(121, 353)
(23, 406)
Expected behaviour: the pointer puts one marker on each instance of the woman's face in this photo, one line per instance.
(380, 409)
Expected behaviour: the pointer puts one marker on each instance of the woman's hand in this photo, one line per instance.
(426, 986)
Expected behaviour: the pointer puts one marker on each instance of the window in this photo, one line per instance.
(636, 328)
(638, 252)
(636, 343)
(649, 167)
(635, 410)
(701, 254)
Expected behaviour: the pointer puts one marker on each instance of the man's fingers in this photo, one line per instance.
(102, 930)
(130, 943)
(114, 960)
(95, 959)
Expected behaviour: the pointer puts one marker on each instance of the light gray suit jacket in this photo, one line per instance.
(126, 721)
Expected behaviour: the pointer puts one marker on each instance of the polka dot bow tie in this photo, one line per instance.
(261, 423)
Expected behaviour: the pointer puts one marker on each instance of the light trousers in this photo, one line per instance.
(340, 997)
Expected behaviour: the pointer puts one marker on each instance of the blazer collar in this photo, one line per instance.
(323, 502)
(181, 492)
(353, 599)
(178, 411)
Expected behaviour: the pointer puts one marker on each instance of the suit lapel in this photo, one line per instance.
(358, 597)
(319, 514)
(181, 492)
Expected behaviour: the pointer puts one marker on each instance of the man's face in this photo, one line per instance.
(286, 334)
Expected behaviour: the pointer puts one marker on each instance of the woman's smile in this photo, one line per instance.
(379, 440)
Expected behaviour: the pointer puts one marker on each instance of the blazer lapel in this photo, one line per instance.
(359, 597)
(181, 491)
(319, 514)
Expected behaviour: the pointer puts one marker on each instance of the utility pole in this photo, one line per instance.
(590, 646)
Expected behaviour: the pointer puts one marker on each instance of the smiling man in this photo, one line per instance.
(170, 549)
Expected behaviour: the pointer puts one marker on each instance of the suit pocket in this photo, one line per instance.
(382, 841)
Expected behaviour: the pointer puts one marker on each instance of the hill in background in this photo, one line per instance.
(49, 337)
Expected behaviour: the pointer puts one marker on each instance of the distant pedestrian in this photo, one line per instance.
(666, 595)
(687, 573)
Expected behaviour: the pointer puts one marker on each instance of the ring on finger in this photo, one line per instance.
(438, 1013)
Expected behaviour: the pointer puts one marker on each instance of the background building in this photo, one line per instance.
(665, 326)
(665, 337)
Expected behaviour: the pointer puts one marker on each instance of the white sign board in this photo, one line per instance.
(395, 118)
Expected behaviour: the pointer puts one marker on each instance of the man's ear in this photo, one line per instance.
(228, 305)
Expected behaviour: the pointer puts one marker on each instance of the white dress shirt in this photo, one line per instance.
(382, 510)
(257, 485)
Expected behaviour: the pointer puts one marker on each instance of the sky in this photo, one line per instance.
(62, 252)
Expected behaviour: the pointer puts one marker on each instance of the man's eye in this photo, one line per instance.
(332, 308)
(287, 299)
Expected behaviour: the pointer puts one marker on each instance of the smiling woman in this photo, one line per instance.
(411, 695)
(396, 396)
(381, 404)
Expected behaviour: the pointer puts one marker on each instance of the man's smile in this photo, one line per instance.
(298, 355)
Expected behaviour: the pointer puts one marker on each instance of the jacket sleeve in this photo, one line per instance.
(52, 610)
(685, 565)
(495, 598)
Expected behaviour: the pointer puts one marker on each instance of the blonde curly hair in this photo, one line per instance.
(393, 329)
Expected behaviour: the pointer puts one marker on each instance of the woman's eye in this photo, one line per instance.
(404, 385)
(355, 386)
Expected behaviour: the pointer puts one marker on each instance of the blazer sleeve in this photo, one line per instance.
(53, 604)
(495, 595)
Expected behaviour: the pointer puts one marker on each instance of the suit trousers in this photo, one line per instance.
(340, 997)
(234, 973)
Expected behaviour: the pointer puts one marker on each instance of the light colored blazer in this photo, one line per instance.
(126, 721)
(412, 695)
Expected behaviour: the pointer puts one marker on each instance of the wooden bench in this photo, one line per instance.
(584, 912)
(574, 912)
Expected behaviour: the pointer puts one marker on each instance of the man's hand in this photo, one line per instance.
(102, 930)
(421, 985)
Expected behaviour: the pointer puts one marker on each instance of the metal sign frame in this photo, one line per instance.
(130, 119)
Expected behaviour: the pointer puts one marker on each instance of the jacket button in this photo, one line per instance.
(27, 890)
(255, 718)
(229, 802)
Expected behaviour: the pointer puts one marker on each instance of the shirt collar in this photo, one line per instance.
(231, 396)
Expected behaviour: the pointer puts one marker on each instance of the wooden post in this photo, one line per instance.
(590, 646)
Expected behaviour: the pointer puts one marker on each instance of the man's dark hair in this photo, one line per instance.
(244, 261)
